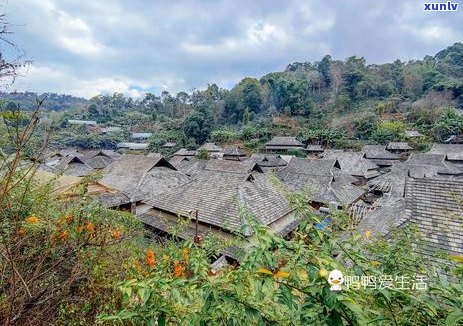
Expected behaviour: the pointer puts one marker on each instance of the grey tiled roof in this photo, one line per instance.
(73, 165)
(453, 152)
(437, 161)
(184, 152)
(379, 152)
(398, 146)
(436, 208)
(314, 148)
(384, 219)
(141, 135)
(177, 160)
(98, 159)
(233, 151)
(323, 181)
(210, 147)
(413, 133)
(276, 142)
(354, 163)
(268, 160)
(218, 196)
(142, 177)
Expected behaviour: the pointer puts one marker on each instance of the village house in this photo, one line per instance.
(419, 165)
(133, 146)
(211, 148)
(184, 152)
(283, 144)
(140, 136)
(435, 207)
(398, 147)
(354, 164)
(228, 202)
(314, 150)
(413, 134)
(140, 177)
(83, 122)
(99, 159)
(269, 163)
(437, 162)
(380, 156)
(323, 180)
(233, 153)
(69, 165)
(169, 145)
(66, 188)
(453, 152)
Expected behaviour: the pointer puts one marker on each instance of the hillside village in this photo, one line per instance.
(382, 187)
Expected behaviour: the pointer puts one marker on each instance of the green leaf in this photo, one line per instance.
(334, 319)
(454, 317)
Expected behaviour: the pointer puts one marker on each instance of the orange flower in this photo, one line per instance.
(64, 235)
(21, 231)
(90, 227)
(32, 219)
(179, 269)
(150, 258)
(116, 234)
(80, 229)
(185, 254)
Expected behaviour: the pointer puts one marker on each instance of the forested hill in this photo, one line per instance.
(54, 102)
(331, 98)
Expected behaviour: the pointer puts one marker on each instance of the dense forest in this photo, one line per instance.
(333, 102)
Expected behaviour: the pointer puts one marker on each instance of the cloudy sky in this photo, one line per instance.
(88, 47)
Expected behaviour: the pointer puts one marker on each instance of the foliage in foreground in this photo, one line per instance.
(283, 282)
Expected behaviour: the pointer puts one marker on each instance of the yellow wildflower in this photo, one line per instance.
(32, 219)
(368, 234)
(323, 272)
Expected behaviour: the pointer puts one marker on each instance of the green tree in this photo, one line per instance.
(199, 124)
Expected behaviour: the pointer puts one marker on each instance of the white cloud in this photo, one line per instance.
(42, 79)
(86, 47)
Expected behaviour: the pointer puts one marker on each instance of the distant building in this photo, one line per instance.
(99, 159)
(169, 145)
(69, 165)
(314, 149)
(355, 164)
(283, 144)
(184, 152)
(269, 163)
(83, 122)
(380, 156)
(233, 153)
(211, 148)
(107, 130)
(413, 134)
(141, 135)
(398, 147)
(134, 146)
